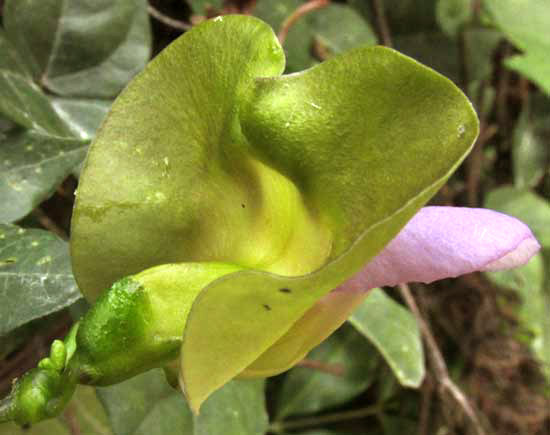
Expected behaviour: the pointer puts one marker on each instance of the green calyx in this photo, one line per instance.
(42, 392)
(245, 196)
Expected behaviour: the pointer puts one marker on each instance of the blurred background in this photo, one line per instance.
(59, 73)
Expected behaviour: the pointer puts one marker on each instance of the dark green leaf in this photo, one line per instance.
(35, 276)
(32, 165)
(453, 15)
(327, 27)
(480, 45)
(83, 117)
(441, 52)
(526, 25)
(322, 27)
(88, 412)
(147, 405)
(308, 391)
(24, 103)
(528, 281)
(530, 151)
(433, 48)
(9, 58)
(393, 330)
(80, 48)
(237, 409)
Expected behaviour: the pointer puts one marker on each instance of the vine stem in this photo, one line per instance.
(301, 423)
(382, 23)
(170, 22)
(441, 374)
(297, 14)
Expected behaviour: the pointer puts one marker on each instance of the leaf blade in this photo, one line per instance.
(394, 332)
(35, 276)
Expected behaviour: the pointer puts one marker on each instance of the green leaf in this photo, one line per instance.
(9, 58)
(322, 27)
(530, 152)
(83, 117)
(32, 165)
(526, 25)
(327, 25)
(24, 103)
(307, 391)
(525, 205)
(146, 405)
(453, 15)
(88, 412)
(528, 282)
(441, 53)
(480, 47)
(237, 409)
(393, 330)
(432, 48)
(35, 276)
(288, 178)
(78, 48)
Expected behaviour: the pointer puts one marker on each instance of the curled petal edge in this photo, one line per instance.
(446, 242)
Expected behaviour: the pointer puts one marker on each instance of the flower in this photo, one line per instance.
(444, 242)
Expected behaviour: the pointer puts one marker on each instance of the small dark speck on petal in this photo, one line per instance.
(243, 206)
(267, 307)
(285, 290)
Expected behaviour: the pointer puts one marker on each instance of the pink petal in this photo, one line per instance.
(443, 242)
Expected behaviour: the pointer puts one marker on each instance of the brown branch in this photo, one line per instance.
(170, 22)
(49, 224)
(382, 23)
(297, 14)
(441, 374)
(331, 369)
(425, 407)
